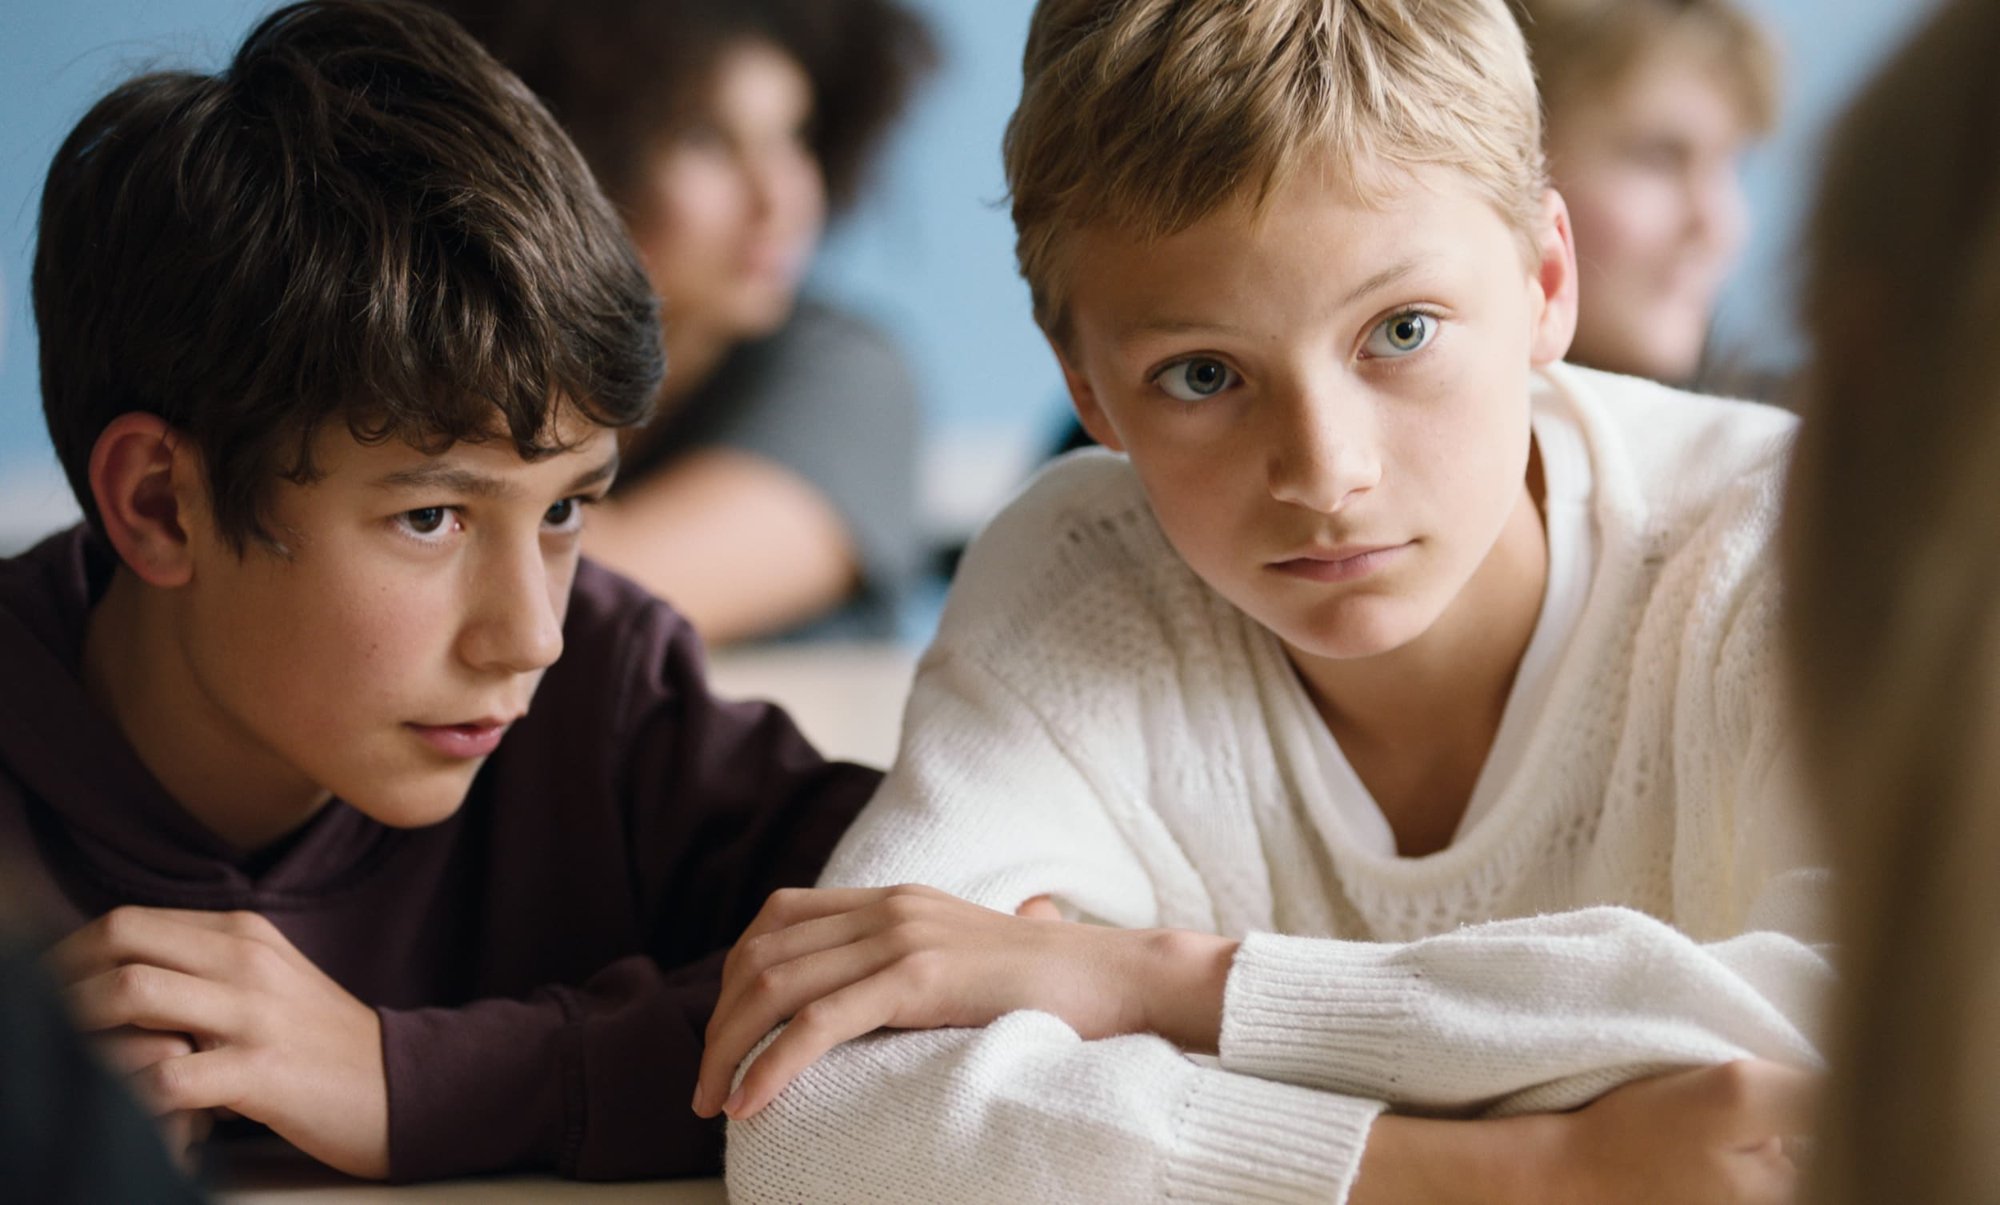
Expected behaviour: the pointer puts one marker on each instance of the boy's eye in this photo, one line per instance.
(428, 520)
(1195, 379)
(1401, 334)
(564, 513)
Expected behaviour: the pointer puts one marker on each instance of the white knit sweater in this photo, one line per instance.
(1095, 723)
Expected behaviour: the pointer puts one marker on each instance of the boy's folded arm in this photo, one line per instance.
(588, 1081)
(1515, 1016)
(1519, 1015)
(1025, 1110)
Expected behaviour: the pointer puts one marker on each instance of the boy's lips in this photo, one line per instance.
(477, 738)
(1343, 564)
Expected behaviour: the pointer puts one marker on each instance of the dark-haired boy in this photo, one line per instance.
(335, 346)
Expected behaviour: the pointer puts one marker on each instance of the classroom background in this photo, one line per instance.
(928, 254)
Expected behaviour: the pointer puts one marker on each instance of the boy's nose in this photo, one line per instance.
(1321, 452)
(516, 622)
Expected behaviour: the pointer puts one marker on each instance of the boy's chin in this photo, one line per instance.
(418, 803)
(1356, 630)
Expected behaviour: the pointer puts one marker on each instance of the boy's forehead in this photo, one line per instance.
(1317, 236)
(490, 465)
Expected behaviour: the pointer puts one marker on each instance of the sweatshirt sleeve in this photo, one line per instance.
(705, 808)
(568, 1078)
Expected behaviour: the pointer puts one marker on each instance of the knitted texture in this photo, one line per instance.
(1094, 723)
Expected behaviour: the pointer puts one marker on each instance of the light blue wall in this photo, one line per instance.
(55, 60)
(1830, 46)
(931, 258)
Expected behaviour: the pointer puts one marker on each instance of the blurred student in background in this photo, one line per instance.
(1894, 556)
(777, 486)
(1650, 105)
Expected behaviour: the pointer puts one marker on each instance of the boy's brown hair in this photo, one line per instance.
(1583, 48)
(1148, 115)
(363, 218)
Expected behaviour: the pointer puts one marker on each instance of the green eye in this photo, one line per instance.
(1402, 334)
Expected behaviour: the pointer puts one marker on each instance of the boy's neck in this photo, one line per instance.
(1418, 723)
(138, 674)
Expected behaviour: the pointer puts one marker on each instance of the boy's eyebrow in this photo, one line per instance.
(605, 471)
(1383, 279)
(457, 479)
(1182, 326)
(448, 478)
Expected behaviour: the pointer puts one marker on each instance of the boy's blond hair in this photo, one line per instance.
(1582, 49)
(1148, 115)
(1893, 595)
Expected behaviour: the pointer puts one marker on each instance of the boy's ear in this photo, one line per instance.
(1084, 401)
(140, 474)
(1555, 279)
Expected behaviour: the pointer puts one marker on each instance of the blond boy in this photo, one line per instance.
(1402, 703)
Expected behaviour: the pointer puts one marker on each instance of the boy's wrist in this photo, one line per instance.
(1182, 976)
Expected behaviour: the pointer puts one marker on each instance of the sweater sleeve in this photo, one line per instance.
(704, 808)
(1540, 1014)
(1024, 1110)
(985, 803)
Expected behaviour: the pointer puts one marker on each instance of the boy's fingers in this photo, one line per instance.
(777, 994)
(791, 905)
(127, 1049)
(152, 997)
(206, 1079)
(819, 1027)
(1039, 908)
(754, 957)
(159, 936)
(184, 1131)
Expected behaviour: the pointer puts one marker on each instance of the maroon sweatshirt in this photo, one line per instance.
(544, 962)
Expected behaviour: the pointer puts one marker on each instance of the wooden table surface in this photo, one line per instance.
(272, 1173)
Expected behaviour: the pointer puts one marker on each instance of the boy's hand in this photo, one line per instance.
(273, 1038)
(842, 963)
(1720, 1135)
(1710, 1136)
(130, 1052)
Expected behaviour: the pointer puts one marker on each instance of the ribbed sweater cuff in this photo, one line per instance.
(1243, 1139)
(1315, 1011)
